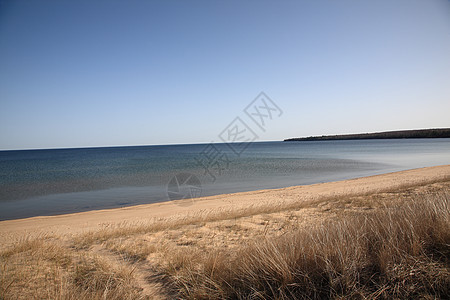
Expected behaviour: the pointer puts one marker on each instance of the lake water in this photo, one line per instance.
(56, 181)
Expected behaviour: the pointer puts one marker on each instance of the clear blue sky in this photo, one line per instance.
(97, 73)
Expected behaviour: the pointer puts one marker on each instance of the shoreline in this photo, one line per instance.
(80, 222)
(167, 251)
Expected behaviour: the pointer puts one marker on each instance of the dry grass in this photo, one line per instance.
(41, 269)
(391, 244)
(400, 252)
(127, 229)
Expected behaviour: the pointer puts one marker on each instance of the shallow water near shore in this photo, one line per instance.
(56, 181)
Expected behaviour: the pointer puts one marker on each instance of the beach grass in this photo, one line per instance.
(401, 252)
(389, 244)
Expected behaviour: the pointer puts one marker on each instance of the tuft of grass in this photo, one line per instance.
(135, 250)
(95, 277)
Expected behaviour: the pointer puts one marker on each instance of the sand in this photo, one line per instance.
(175, 236)
(72, 224)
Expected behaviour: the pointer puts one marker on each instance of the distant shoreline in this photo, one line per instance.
(399, 134)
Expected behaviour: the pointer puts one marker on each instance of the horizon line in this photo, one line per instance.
(198, 143)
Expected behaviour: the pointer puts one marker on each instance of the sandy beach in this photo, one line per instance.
(179, 249)
(76, 223)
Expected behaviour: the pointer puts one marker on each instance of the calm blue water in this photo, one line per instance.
(48, 182)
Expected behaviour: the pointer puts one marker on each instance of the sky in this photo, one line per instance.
(105, 73)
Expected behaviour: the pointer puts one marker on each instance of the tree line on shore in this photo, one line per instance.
(400, 134)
